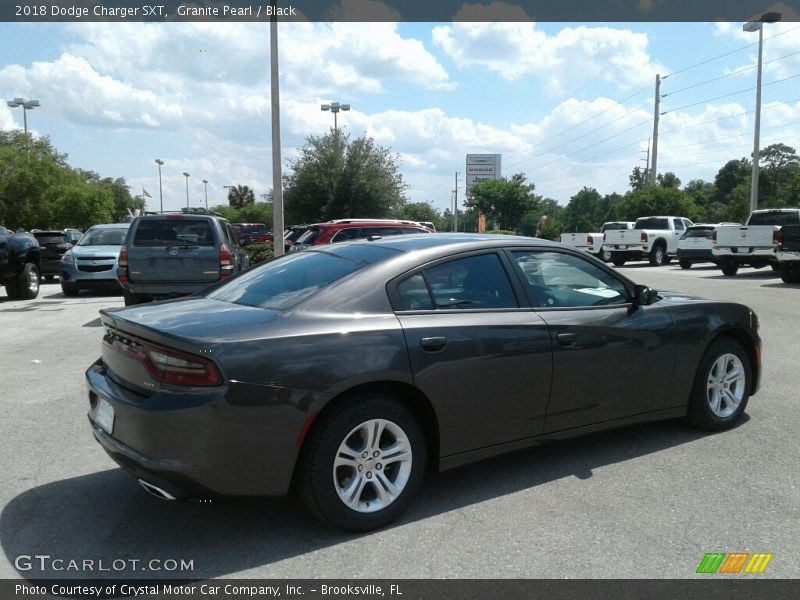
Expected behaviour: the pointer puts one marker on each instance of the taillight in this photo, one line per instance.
(590, 239)
(777, 237)
(644, 237)
(714, 236)
(225, 262)
(122, 261)
(168, 366)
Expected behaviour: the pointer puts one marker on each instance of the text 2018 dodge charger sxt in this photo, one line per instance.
(349, 369)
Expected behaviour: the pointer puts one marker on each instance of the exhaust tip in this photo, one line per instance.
(156, 491)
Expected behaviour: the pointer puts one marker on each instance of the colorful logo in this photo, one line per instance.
(734, 562)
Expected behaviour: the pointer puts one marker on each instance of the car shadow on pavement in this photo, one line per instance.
(106, 515)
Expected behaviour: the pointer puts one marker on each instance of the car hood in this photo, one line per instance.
(94, 251)
(193, 321)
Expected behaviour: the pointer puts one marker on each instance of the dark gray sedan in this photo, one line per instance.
(349, 370)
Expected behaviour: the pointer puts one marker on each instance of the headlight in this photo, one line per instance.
(66, 258)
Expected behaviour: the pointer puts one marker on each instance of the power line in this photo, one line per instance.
(731, 94)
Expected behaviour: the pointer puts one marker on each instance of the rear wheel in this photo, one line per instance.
(605, 255)
(721, 387)
(363, 464)
(658, 255)
(790, 272)
(729, 268)
(131, 298)
(685, 264)
(618, 258)
(27, 282)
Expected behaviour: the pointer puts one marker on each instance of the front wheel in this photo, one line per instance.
(363, 464)
(27, 282)
(721, 386)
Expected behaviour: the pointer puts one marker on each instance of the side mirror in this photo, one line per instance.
(644, 295)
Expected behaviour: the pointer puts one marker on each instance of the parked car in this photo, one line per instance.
(73, 235)
(343, 230)
(696, 244)
(593, 242)
(291, 234)
(652, 238)
(171, 255)
(754, 242)
(253, 233)
(350, 369)
(91, 264)
(52, 246)
(19, 264)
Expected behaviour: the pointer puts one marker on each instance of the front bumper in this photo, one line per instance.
(89, 274)
(228, 440)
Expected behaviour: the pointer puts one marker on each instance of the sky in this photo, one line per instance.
(569, 105)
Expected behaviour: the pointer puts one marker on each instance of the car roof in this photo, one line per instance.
(110, 225)
(464, 241)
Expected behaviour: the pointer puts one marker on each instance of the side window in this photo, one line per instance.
(557, 280)
(414, 293)
(471, 282)
(679, 226)
(345, 235)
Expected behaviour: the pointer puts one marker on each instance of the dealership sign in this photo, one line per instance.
(482, 167)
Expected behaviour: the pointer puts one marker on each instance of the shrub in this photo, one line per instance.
(259, 253)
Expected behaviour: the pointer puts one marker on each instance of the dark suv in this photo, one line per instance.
(53, 245)
(166, 256)
(342, 230)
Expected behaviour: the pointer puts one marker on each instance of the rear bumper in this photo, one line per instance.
(696, 255)
(167, 289)
(200, 442)
(787, 255)
(744, 253)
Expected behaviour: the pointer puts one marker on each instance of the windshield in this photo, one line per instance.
(698, 232)
(107, 236)
(284, 282)
(49, 237)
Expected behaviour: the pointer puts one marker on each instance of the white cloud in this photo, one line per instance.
(564, 61)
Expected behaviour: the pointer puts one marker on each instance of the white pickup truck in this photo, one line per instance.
(593, 242)
(652, 238)
(753, 243)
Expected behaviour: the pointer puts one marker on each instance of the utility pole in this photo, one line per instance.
(455, 205)
(654, 166)
(647, 162)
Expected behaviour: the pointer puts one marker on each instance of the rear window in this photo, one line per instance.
(613, 227)
(309, 236)
(49, 237)
(167, 232)
(282, 283)
(652, 223)
(254, 228)
(775, 218)
(698, 232)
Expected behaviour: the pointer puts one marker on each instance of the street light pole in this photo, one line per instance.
(26, 106)
(205, 185)
(758, 25)
(160, 162)
(335, 107)
(187, 189)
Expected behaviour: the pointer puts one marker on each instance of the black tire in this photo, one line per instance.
(319, 483)
(667, 259)
(790, 272)
(70, 291)
(685, 264)
(131, 298)
(718, 359)
(775, 266)
(27, 282)
(658, 255)
(729, 268)
(618, 259)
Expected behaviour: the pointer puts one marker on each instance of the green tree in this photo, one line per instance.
(582, 212)
(668, 180)
(421, 211)
(335, 177)
(657, 200)
(638, 178)
(504, 201)
(241, 195)
(778, 162)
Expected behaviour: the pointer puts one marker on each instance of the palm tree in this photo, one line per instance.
(240, 195)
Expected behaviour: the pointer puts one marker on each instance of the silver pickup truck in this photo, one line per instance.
(752, 244)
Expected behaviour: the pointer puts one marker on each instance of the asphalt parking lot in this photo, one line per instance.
(644, 501)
